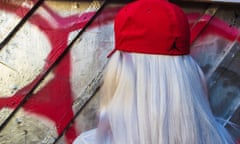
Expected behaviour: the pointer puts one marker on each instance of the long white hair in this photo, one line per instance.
(156, 99)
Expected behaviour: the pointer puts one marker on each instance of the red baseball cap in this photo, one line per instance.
(152, 27)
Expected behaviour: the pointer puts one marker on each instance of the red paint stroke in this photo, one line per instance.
(216, 27)
(197, 28)
(14, 9)
(55, 100)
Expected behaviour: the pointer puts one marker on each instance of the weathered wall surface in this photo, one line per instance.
(48, 73)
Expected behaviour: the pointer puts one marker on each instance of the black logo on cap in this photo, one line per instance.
(174, 46)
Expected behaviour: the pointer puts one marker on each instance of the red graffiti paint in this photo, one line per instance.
(215, 27)
(55, 100)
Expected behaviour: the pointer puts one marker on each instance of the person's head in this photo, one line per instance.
(153, 28)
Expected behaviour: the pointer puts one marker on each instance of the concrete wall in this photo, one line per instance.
(47, 75)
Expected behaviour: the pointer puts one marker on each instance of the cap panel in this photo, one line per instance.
(152, 27)
(182, 30)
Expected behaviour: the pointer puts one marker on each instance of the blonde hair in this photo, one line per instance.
(156, 99)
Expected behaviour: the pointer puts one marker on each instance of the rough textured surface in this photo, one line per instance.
(23, 58)
(27, 128)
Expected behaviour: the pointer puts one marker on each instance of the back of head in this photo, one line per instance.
(152, 27)
(145, 27)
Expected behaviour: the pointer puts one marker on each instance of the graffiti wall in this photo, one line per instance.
(53, 53)
(41, 77)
